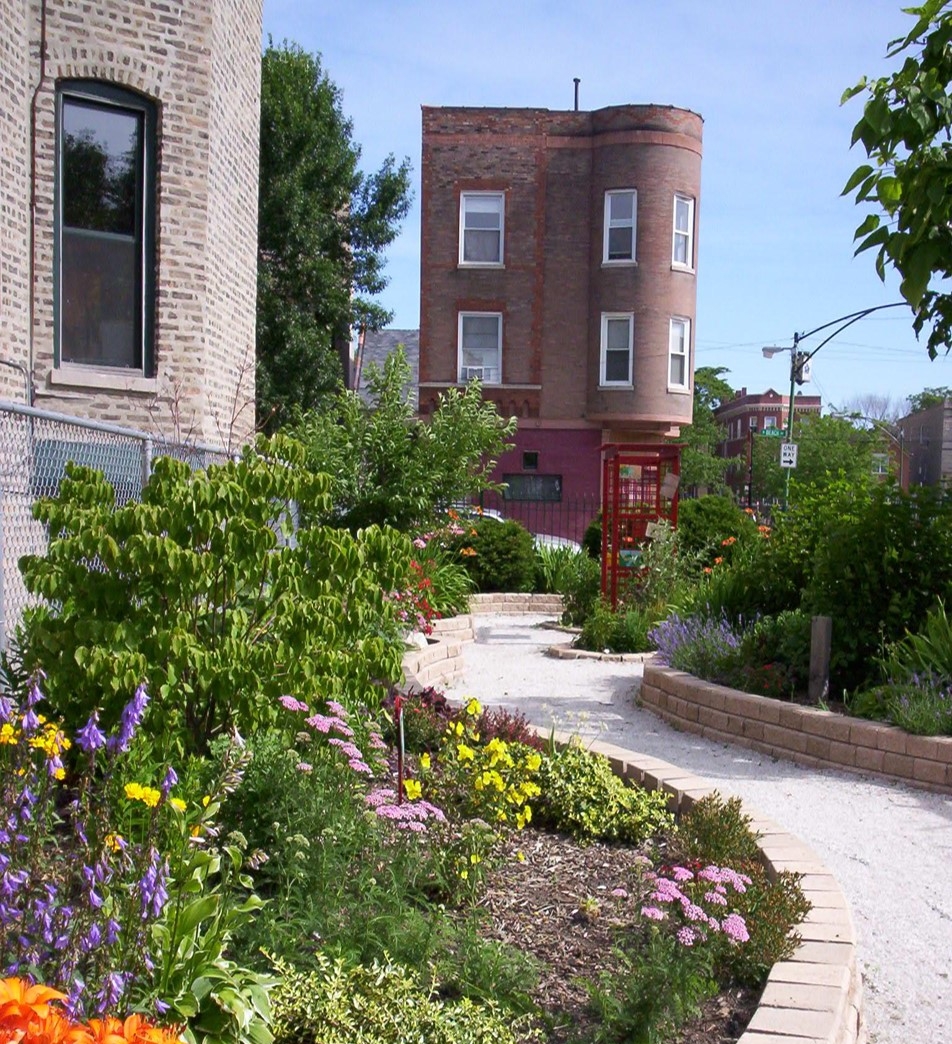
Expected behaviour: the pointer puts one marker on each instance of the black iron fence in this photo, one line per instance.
(566, 518)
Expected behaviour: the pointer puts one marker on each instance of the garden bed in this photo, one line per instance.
(806, 735)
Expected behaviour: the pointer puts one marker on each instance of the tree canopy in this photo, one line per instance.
(387, 468)
(905, 130)
(928, 397)
(701, 467)
(323, 226)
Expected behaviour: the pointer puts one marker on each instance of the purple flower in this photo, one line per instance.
(170, 780)
(152, 892)
(91, 737)
(131, 719)
(112, 931)
(6, 710)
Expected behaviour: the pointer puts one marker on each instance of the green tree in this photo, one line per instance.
(387, 467)
(830, 449)
(701, 467)
(928, 397)
(322, 228)
(905, 130)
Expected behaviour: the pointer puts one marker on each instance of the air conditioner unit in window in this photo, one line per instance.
(476, 373)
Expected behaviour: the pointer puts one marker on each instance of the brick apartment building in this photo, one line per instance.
(747, 414)
(128, 193)
(558, 266)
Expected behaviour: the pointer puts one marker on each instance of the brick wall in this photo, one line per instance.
(554, 169)
(200, 63)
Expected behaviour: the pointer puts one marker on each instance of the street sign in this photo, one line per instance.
(788, 455)
(773, 433)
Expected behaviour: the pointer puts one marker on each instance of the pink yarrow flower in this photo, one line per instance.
(291, 704)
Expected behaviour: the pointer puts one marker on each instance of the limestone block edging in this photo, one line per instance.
(806, 735)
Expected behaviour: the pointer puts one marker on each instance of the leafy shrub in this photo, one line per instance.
(583, 585)
(592, 538)
(499, 555)
(555, 568)
(706, 648)
(581, 796)
(624, 631)
(450, 585)
(775, 652)
(193, 591)
(921, 705)
(704, 523)
(381, 1003)
(877, 572)
(718, 831)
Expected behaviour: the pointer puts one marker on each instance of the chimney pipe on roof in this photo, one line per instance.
(576, 81)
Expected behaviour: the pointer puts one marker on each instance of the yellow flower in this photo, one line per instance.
(149, 796)
(178, 804)
(7, 735)
(205, 800)
(425, 762)
(474, 859)
(464, 753)
(533, 762)
(464, 874)
(113, 841)
(412, 789)
(473, 708)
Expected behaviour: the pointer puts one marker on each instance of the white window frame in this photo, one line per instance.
(679, 236)
(609, 224)
(603, 381)
(770, 423)
(685, 341)
(500, 197)
(465, 372)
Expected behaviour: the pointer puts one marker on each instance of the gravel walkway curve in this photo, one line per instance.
(889, 846)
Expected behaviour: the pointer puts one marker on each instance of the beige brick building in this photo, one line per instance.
(128, 211)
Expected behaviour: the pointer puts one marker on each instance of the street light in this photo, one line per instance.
(800, 360)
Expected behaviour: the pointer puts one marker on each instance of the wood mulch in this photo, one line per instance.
(565, 904)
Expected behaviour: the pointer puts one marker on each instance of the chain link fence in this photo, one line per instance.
(35, 447)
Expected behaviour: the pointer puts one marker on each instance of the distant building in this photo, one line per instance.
(748, 414)
(926, 439)
(559, 268)
(374, 349)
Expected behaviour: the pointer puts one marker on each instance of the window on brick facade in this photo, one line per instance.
(880, 464)
(616, 349)
(770, 422)
(621, 212)
(481, 227)
(104, 226)
(480, 347)
(533, 487)
(679, 349)
(682, 253)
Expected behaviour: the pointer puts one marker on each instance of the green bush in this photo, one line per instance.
(583, 797)
(592, 538)
(622, 631)
(555, 568)
(877, 572)
(194, 592)
(704, 523)
(499, 556)
(382, 1003)
(583, 585)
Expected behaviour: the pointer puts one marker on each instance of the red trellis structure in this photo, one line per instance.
(639, 490)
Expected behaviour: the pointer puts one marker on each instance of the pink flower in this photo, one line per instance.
(693, 912)
(319, 723)
(336, 708)
(291, 704)
(304, 766)
(681, 873)
(687, 936)
(716, 898)
(735, 928)
(360, 766)
(419, 542)
(619, 893)
(652, 913)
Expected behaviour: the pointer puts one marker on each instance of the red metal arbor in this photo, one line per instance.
(639, 490)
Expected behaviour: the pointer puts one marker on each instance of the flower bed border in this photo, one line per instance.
(806, 735)
(815, 996)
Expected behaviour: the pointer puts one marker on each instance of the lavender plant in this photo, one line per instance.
(699, 645)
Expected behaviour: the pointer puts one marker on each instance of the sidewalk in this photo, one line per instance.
(889, 846)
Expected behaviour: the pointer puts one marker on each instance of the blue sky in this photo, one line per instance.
(775, 243)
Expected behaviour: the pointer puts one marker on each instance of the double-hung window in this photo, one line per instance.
(679, 351)
(481, 228)
(621, 215)
(480, 347)
(682, 251)
(616, 349)
(104, 226)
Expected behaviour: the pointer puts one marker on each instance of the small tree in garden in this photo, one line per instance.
(198, 592)
(386, 467)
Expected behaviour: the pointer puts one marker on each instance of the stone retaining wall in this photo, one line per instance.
(807, 735)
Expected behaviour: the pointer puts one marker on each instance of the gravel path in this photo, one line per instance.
(889, 846)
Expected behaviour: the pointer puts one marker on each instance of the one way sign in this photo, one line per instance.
(788, 455)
